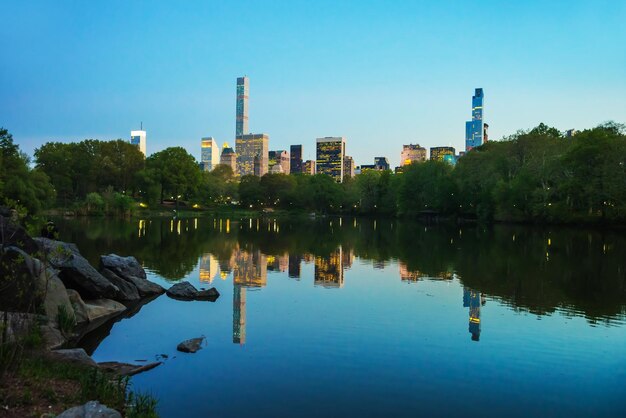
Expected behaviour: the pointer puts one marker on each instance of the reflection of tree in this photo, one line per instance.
(529, 268)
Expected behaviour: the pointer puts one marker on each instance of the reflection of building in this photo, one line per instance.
(475, 132)
(252, 150)
(250, 269)
(278, 263)
(296, 159)
(473, 300)
(210, 154)
(243, 91)
(239, 315)
(408, 276)
(379, 264)
(294, 266)
(439, 153)
(412, 154)
(138, 139)
(229, 158)
(330, 153)
(347, 259)
(348, 167)
(208, 268)
(328, 270)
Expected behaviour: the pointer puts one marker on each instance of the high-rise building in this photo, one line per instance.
(243, 90)
(296, 159)
(248, 148)
(210, 153)
(309, 167)
(412, 153)
(438, 153)
(474, 129)
(330, 154)
(348, 167)
(229, 158)
(138, 139)
(381, 163)
(278, 162)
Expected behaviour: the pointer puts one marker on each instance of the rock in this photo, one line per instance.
(16, 325)
(52, 337)
(80, 309)
(123, 266)
(75, 270)
(103, 309)
(14, 235)
(18, 280)
(146, 287)
(92, 409)
(191, 346)
(126, 369)
(128, 291)
(76, 356)
(186, 291)
(53, 292)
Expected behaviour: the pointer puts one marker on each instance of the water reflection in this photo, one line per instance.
(473, 300)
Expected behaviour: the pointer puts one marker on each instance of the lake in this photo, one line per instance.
(366, 317)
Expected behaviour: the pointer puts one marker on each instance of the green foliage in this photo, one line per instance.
(141, 405)
(65, 319)
(175, 171)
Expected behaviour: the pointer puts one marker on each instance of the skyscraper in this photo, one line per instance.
(474, 128)
(229, 158)
(138, 139)
(309, 167)
(296, 159)
(348, 167)
(330, 154)
(278, 162)
(381, 163)
(210, 153)
(248, 148)
(412, 154)
(243, 90)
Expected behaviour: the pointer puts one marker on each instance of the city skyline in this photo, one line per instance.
(399, 85)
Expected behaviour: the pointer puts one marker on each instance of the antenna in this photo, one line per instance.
(141, 128)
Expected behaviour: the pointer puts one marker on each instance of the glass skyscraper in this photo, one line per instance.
(252, 149)
(474, 128)
(330, 155)
(296, 159)
(243, 90)
(210, 153)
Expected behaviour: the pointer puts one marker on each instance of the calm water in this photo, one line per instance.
(345, 317)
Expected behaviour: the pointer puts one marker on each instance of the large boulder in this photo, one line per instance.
(53, 293)
(186, 291)
(100, 310)
(78, 305)
(76, 356)
(16, 325)
(92, 409)
(18, 280)
(123, 266)
(75, 270)
(128, 291)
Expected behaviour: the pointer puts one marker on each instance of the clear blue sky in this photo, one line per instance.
(380, 73)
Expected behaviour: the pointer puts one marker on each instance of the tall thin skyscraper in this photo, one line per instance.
(138, 139)
(474, 128)
(296, 159)
(243, 90)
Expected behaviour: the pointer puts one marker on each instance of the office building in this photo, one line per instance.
(412, 153)
(348, 167)
(209, 154)
(309, 167)
(138, 139)
(295, 165)
(570, 133)
(438, 153)
(381, 163)
(475, 129)
(252, 151)
(330, 155)
(279, 162)
(243, 91)
(229, 158)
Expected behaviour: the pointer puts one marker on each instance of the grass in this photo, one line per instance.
(65, 319)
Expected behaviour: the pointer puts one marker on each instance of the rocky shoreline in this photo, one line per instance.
(55, 289)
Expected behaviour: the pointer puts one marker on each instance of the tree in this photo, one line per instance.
(175, 171)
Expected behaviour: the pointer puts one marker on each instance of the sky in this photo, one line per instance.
(380, 73)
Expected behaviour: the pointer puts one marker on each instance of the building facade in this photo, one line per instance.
(295, 165)
(438, 153)
(138, 139)
(243, 91)
(412, 153)
(309, 167)
(330, 154)
(279, 162)
(252, 150)
(474, 129)
(381, 163)
(348, 167)
(229, 158)
(209, 153)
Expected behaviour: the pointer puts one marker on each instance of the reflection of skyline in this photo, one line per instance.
(329, 270)
(239, 315)
(473, 300)
(209, 268)
(250, 269)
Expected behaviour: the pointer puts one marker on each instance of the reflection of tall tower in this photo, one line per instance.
(208, 268)
(329, 270)
(250, 269)
(473, 300)
(239, 315)
(294, 266)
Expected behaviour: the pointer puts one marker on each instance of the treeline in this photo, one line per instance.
(537, 175)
